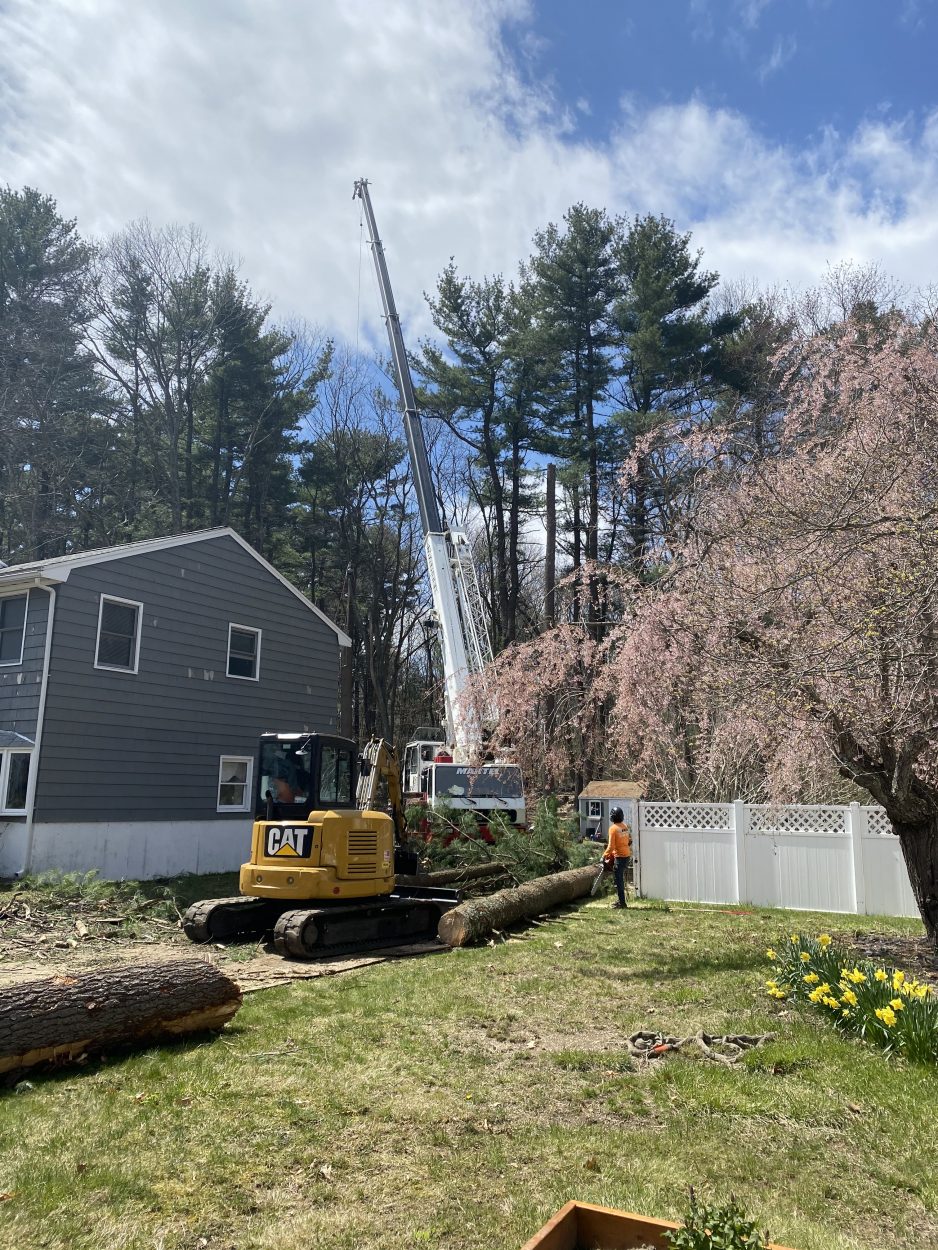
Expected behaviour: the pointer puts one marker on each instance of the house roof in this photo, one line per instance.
(613, 790)
(57, 569)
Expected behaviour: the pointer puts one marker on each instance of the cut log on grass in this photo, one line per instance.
(479, 917)
(61, 1018)
(454, 876)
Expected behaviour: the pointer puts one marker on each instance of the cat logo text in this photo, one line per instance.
(288, 841)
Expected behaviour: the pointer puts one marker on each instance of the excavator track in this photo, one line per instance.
(313, 932)
(222, 919)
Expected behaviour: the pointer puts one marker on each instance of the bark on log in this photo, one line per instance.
(453, 876)
(479, 917)
(60, 1018)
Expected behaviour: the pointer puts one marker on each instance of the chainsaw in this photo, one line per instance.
(605, 866)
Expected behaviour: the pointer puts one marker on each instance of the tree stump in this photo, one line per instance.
(479, 917)
(60, 1018)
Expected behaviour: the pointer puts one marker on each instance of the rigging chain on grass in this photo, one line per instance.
(646, 1046)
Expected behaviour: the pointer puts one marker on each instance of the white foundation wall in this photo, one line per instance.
(134, 850)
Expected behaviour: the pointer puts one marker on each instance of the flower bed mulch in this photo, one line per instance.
(915, 954)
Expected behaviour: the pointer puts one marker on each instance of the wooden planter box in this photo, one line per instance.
(582, 1226)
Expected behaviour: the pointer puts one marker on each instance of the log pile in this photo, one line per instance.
(477, 918)
(61, 1018)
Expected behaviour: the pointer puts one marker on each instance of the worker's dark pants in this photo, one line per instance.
(621, 867)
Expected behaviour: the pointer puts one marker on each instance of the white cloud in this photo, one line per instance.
(782, 52)
(750, 12)
(254, 120)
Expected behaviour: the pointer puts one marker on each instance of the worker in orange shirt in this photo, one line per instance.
(619, 851)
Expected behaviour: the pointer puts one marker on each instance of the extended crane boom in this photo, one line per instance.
(453, 585)
(429, 770)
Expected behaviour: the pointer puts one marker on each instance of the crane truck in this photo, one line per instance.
(324, 860)
(437, 765)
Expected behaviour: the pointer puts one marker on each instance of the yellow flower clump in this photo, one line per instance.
(860, 995)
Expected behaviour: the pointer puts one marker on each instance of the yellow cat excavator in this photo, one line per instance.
(324, 857)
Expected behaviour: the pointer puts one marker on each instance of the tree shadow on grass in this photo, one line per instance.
(681, 967)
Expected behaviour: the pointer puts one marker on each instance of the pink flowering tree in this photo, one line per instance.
(794, 633)
(805, 604)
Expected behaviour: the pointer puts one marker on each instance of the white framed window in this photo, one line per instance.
(12, 628)
(235, 774)
(118, 643)
(596, 809)
(14, 781)
(244, 652)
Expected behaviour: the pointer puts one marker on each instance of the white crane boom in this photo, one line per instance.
(457, 601)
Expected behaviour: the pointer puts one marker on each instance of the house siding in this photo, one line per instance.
(21, 684)
(145, 746)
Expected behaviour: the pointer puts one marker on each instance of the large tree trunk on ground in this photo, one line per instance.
(481, 916)
(454, 876)
(919, 842)
(60, 1018)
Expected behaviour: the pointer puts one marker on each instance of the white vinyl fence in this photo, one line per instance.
(843, 859)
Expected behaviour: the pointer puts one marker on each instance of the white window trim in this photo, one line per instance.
(247, 629)
(248, 784)
(128, 603)
(15, 663)
(5, 756)
(598, 805)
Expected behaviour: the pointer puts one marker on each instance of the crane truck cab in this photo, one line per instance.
(433, 777)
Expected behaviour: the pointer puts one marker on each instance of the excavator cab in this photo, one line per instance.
(300, 773)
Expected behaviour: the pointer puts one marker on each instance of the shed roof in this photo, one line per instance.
(57, 568)
(613, 790)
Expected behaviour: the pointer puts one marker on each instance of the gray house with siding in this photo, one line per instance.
(134, 683)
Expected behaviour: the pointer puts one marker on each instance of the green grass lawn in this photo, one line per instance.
(458, 1100)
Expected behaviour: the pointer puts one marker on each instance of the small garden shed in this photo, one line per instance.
(597, 799)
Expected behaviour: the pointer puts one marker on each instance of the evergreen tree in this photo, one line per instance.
(488, 391)
(671, 365)
(576, 283)
(53, 442)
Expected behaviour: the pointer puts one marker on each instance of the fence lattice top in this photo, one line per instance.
(764, 818)
(877, 821)
(704, 816)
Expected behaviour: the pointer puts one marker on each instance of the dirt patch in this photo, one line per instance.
(913, 955)
(42, 936)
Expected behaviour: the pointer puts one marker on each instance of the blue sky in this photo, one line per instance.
(788, 136)
(794, 68)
